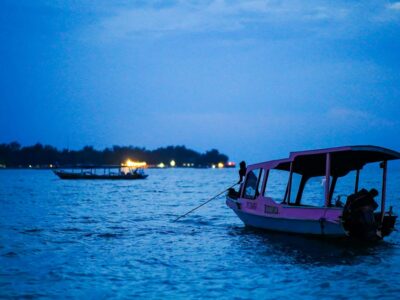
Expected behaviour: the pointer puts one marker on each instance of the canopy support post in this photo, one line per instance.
(332, 189)
(383, 200)
(327, 178)
(289, 186)
(301, 189)
(357, 181)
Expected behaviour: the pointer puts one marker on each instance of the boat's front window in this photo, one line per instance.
(253, 185)
(276, 184)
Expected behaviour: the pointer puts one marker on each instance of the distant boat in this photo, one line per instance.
(101, 172)
(258, 205)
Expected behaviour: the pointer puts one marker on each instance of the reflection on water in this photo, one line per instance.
(307, 250)
(117, 239)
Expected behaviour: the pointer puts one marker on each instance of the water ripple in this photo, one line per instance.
(118, 240)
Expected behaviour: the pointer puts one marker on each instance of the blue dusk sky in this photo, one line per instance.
(254, 79)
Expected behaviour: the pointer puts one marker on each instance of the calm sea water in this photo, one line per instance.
(102, 239)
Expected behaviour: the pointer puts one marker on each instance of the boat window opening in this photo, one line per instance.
(276, 185)
(314, 192)
(253, 185)
(344, 187)
(371, 178)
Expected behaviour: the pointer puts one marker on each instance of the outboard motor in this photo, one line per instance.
(358, 215)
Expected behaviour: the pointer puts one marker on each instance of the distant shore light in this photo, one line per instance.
(161, 165)
(172, 163)
(134, 164)
(220, 165)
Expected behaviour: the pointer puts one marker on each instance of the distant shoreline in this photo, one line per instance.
(38, 156)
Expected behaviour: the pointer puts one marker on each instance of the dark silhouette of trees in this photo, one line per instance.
(211, 157)
(14, 155)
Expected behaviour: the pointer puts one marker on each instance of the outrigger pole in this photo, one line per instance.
(204, 203)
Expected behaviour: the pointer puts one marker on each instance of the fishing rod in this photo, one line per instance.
(204, 203)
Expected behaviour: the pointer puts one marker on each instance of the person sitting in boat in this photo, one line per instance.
(242, 174)
(242, 171)
(362, 198)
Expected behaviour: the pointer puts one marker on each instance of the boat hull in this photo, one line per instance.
(66, 175)
(305, 227)
(317, 226)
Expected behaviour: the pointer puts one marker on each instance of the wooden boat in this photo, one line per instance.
(258, 204)
(101, 172)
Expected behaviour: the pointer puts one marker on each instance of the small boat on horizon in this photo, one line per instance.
(101, 172)
(258, 203)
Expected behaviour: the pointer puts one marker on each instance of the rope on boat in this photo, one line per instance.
(216, 196)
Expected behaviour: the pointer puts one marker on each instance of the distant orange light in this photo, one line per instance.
(134, 164)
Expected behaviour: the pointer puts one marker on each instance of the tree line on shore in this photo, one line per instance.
(14, 155)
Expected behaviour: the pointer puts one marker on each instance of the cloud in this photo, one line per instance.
(357, 118)
(348, 113)
(218, 16)
(394, 6)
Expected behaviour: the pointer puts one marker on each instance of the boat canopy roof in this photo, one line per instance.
(342, 160)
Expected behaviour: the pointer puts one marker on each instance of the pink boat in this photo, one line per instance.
(310, 176)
